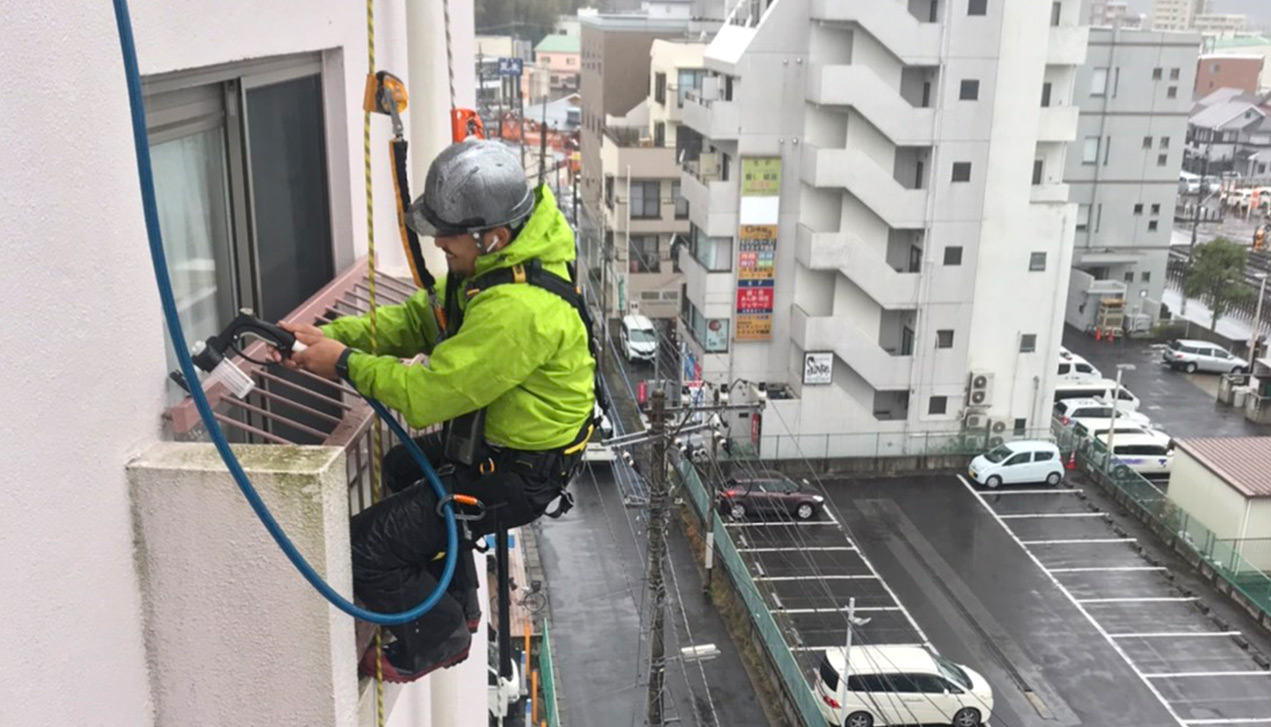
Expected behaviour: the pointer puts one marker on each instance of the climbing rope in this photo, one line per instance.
(373, 469)
(450, 58)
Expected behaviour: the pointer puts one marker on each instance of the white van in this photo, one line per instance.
(1075, 368)
(1099, 388)
(1016, 462)
(639, 338)
(899, 685)
(1142, 453)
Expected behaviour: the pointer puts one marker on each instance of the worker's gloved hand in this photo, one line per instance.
(320, 356)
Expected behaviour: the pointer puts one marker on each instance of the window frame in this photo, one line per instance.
(961, 167)
(1036, 264)
(954, 251)
(969, 90)
(645, 200)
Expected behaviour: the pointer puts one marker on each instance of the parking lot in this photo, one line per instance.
(1182, 404)
(1053, 603)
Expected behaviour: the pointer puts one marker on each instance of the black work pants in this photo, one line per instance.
(395, 542)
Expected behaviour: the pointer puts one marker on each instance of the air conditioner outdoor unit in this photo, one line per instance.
(975, 420)
(980, 392)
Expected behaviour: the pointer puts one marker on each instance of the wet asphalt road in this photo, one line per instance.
(594, 562)
(1181, 404)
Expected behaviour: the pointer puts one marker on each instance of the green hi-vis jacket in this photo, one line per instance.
(521, 352)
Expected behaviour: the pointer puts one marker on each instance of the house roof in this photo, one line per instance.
(1241, 462)
(1241, 41)
(1229, 114)
(557, 43)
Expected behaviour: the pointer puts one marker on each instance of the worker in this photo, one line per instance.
(509, 374)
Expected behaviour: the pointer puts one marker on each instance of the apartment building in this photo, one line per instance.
(554, 73)
(1219, 25)
(1241, 71)
(626, 180)
(886, 228)
(1134, 93)
(1259, 45)
(1177, 15)
(1115, 13)
(139, 588)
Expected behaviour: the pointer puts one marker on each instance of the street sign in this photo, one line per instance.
(510, 66)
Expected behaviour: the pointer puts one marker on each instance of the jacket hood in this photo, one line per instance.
(546, 236)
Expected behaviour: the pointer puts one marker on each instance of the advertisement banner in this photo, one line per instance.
(760, 177)
(757, 247)
(818, 368)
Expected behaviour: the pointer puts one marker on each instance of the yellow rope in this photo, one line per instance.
(370, 294)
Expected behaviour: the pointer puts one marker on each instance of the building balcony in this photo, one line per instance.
(710, 291)
(1058, 124)
(889, 21)
(859, 87)
(847, 254)
(1049, 194)
(712, 203)
(1067, 45)
(713, 119)
(879, 368)
(622, 151)
(852, 170)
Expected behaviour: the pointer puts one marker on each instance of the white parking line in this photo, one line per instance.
(830, 515)
(796, 549)
(1100, 568)
(779, 524)
(1173, 634)
(1056, 491)
(1073, 541)
(1231, 720)
(1112, 642)
(840, 609)
(1205, 674)
(814, 578)
(1051, 514)
(1140, 599)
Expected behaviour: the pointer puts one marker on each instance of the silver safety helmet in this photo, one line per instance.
(472, 186)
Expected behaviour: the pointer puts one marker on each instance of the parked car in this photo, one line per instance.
(1142, 453)
(1192, 355)
(639, 338)
(1104, 388)
(1089, 428)
(1075, 368)
(770, 493)
(899, 685)
(1016, 462)
(1095, 408)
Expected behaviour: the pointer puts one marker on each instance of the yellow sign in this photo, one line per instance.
(760, 176)
(753, 328)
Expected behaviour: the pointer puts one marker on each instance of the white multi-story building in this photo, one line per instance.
(1177, 15)
(138, 588)
(886, 234)
(1219, 25)
(1115, 13)
(1134, 92)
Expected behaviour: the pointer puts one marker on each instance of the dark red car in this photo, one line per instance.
(771, 495)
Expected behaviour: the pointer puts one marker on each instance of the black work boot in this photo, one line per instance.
(398, 666)
(463, 586)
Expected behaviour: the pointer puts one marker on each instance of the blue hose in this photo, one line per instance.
(141, 141)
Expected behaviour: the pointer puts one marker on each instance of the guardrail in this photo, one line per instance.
(1218, 560)
(793, 681)
(547, 675)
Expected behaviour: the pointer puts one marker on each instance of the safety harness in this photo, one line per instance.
(465, 435)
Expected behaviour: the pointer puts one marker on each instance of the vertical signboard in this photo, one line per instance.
(757, 248)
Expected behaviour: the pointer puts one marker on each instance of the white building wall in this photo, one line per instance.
(993, 217)
(1204, 495)
(87, 390)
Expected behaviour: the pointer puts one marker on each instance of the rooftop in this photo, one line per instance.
(1241, 41)
(558, 43)
(1241, 462)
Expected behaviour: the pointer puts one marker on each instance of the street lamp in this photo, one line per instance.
(1257, 319)
(1116, 413)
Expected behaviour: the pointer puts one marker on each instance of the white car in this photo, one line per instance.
(1192, 356)
(1096, 388)
(1142, 453)
(899, 685)
(1075, 368)
(639, 338)
(1017, 462)
(1089, 428)
(1095, 408)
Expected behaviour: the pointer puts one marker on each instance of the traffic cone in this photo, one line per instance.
(1071, 464)
(1096, 333)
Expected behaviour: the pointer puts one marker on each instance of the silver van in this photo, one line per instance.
(1192, 356)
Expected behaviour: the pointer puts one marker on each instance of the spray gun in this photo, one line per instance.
(209, 355)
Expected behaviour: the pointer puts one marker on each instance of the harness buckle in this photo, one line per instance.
(465, 501)
(486, 467)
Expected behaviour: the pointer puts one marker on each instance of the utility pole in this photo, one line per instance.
(1257, 320)
(657, 549)
(1200, 198)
